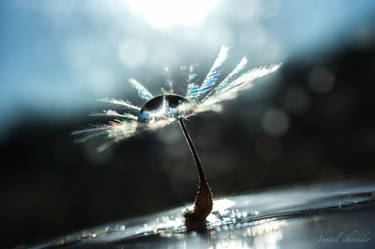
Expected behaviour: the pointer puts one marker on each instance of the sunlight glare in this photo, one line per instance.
(168, 13)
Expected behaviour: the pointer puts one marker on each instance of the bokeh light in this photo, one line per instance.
(275, 122)
(168, 13)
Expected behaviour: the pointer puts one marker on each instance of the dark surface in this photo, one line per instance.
(330, 215)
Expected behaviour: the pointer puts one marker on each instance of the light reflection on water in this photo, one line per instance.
(265, 234)
(249, 221)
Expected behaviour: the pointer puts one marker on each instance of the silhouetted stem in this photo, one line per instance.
(193, 150)
(195, 220)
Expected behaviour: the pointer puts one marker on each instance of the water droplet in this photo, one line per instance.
(164, 107)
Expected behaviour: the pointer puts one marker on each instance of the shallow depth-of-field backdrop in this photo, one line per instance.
(313, 120)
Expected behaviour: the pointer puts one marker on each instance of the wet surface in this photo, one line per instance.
(336, 215)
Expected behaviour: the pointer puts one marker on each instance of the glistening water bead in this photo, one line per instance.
(175, 107)
(201, 96)
(164, 107)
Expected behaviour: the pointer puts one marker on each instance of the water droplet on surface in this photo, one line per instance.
(164, 107)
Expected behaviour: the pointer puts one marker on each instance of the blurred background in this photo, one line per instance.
(311, 121)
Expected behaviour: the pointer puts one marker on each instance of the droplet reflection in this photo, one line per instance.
(165, 107)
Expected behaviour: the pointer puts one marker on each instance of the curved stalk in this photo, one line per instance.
(203, 198)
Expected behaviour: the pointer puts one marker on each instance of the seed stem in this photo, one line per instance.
(193, 150)
(203, 199)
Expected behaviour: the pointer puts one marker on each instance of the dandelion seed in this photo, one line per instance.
(169, 107)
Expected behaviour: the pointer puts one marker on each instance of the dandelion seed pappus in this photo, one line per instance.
(169, 107)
